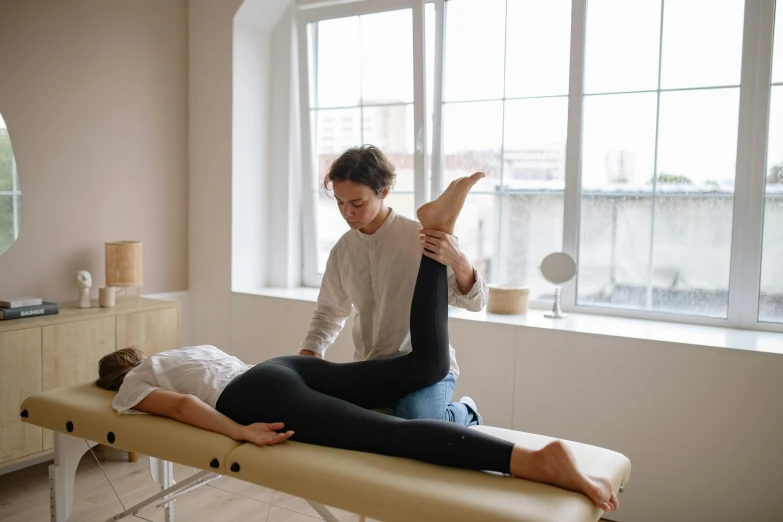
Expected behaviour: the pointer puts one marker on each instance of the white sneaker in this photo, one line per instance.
(470, 403)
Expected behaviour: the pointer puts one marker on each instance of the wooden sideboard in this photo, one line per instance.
(45, 352)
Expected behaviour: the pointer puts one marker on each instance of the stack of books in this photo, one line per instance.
(26, 307)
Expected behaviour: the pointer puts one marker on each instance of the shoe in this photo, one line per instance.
(471, 404)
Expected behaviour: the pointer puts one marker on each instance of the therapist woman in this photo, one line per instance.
(373, 268)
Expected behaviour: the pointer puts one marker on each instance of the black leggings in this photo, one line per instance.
(327, 403)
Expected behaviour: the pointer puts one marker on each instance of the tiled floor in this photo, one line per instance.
(24, 496)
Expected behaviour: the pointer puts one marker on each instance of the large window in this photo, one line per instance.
(620, 132)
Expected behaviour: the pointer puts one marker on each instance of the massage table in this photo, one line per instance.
(386, 488)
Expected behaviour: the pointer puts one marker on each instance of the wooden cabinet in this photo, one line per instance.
(41, 353)
(71, 353)
(151, 332)
(20, 375)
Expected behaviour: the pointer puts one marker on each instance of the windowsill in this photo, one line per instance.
(645, 329)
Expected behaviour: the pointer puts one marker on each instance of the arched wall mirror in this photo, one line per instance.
(10, 192)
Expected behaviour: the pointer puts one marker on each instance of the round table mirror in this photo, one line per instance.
(558, 268)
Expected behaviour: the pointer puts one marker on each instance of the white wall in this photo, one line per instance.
(702, 426)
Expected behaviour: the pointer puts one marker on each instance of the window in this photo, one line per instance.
(620, 132)
(771, 294)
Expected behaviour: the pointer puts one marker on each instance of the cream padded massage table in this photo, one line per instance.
(385, 488)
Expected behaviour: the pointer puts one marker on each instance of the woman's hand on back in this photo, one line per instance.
(263, 434)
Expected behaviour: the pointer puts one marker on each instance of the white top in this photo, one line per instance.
(203, 371)
(377, 275)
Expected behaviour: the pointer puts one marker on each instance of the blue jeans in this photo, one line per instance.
(433, 403)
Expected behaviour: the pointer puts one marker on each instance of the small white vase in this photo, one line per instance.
(84, 298)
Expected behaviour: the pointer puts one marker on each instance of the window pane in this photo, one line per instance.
(614, 249)
(390, 128)
(402, 204)
(429, 43)
(476, 231)
(472, 140)
(771, 299)
(697, 142)
(622, 43)
(691, 256)
(618, 143)
(335, 131)
(777, 51)
(697, 146)
(532, 229)
(387, 70)
(337, 48)
(535, 142)
(330, 223)
(538, 47)
(702, 43)
(474, 49)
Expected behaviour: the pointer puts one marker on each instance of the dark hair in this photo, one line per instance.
(366, 165)
(114, 366)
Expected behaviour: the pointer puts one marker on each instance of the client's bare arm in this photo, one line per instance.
(189, 409)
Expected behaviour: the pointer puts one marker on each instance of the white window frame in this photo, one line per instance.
(749, 195)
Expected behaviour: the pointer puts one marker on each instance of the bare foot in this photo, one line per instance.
(555, 464)
(441, 214)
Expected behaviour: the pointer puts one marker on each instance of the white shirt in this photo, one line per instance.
(377, 275)
(203, 371)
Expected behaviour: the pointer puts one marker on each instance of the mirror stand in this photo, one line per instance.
(556, 312)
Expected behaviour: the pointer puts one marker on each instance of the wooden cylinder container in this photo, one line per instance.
(507, 299)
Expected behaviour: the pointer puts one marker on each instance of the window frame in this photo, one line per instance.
(750, 179)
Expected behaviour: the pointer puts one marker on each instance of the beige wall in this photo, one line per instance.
(210, 146)
(95, 95)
